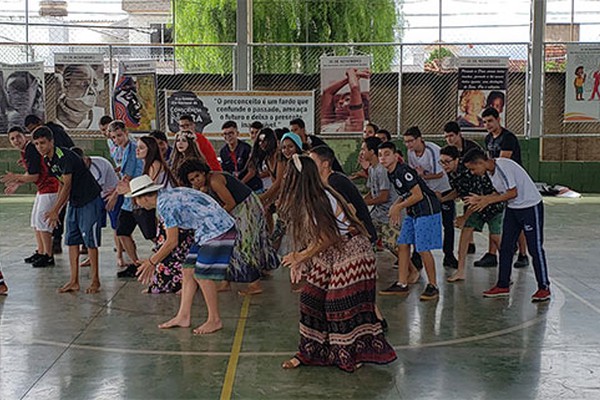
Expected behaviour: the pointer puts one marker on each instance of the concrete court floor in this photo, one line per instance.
(107, 346)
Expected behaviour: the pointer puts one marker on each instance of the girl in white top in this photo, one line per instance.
(338, 323)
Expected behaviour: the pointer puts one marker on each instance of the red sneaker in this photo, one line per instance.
(497, 292)
(541, 295)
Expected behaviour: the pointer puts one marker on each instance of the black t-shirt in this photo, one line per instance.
(468, 145)
(506, 141)
(404, 178)
(84, 187)
(61, 138)
(344, 186)
(314, 141)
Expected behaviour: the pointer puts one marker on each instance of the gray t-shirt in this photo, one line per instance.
(376, 182)
(429, 161)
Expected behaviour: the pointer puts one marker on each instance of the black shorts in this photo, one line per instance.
(145, 219)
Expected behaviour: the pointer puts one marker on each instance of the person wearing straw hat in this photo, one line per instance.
(215, 234)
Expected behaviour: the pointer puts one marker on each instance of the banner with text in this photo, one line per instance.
(21, 93)
(582, 88)
(80, 83)
(345, 91)
(482, 83)
(134, 97)
(211, 109)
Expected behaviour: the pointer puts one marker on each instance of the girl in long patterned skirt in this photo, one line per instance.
(167, 274)
(338, 324)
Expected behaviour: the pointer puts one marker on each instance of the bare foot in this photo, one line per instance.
(456, 278)
(224, 286)
(253, 288)
(414, 277)
(69, 287)
(94, 288)
(86, 263)
(3, 290)
(291, 363)
(176, 322)
(208, 327)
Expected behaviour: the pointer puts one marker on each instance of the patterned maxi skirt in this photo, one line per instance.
(167, 275)
(338, 325)
(252, 252)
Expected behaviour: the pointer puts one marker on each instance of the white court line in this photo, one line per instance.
(557, 305)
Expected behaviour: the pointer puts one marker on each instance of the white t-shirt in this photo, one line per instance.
(507, 175)
(429, 161)
(342, 225)
(104, 173)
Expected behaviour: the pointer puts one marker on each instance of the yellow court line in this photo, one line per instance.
(235, 351)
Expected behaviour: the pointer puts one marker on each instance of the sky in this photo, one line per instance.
(463, 20)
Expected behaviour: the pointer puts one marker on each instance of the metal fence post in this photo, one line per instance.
(110, 78)
(536, 66)
(400, 67)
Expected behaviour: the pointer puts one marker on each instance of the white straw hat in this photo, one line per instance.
(142, 185)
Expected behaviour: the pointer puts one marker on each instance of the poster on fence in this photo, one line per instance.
(134, 97)
(80, 81)
(345, 87)
(582, 86)
(482, 83)
(211, 109)
(21, 93)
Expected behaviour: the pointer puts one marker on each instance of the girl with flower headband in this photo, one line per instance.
(338, 324)
(185, 149)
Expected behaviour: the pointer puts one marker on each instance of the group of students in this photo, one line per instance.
(214, 222)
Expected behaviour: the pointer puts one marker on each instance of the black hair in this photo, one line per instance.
(256, 125)
(189, 166)
(372, 125)
(16, 129)
(42, 132)
(494, 94)
(490, 112)
(105, 120)
(299, 122)
(116, 124)
(388, 145)
(229, 124)
(78, 151)
(279, 132)
(450, 151)
(186, 117)
(158, 135)
(452, 126)
(387, 133)
(325, 153)
(32, 120)
(372, 143)
(413, 131)
(474, 155)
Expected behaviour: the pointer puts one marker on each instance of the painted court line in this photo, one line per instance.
(235, 351)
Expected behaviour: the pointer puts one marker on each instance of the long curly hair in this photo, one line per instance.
(192, 151)
(305, 207)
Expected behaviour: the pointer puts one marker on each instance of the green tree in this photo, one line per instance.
(286, 21)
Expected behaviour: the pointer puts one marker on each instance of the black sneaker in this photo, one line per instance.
(33, 258)
(450, 261)
(522, 261)
(471, 249)
(415, 258)
(488, 260)
(430, 293)
(128, 272)
(43, 261)
(397, 289)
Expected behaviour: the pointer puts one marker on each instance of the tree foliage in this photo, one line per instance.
(286, 21)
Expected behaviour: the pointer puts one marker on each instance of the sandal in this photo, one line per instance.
(292, 363)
